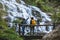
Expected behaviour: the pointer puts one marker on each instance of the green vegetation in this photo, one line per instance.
(18, 1)
(3, 13)
(2, 21)
(1, 6)
(18, 21)
(9, 34)
(45, 5)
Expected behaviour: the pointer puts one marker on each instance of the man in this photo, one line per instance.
(23, 27)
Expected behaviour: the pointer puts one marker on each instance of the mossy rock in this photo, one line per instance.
(18, 1)
(3, 23)
(3, 13)
(1, 6)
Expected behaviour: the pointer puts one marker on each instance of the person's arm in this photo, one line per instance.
(25, 21)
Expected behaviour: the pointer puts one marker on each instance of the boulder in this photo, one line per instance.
(54, 35)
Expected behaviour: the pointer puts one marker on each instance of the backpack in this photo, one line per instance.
(33, 22)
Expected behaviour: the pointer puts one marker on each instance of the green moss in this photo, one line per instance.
(9, 34)
(46, 8)
(2, 21)
(6, 8)
(1, 6)
(18, 1)
(30, 2)
(3, 24)
(18, 21)
(3, 13)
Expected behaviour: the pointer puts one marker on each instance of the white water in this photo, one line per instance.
(21, 10)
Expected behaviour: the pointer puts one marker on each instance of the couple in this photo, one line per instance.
(32, 24)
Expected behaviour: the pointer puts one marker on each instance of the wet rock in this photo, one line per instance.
(54, 35)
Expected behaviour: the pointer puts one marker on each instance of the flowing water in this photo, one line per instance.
(21, 10)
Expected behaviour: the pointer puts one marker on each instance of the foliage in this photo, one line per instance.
(2, 21)
(45, 5)
(1, 6)
(2, 13)
(9, 34)
(30, 2)
(18, 1)
(18, 21)
(58, 17)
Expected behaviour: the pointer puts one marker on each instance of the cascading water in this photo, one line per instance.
(22, 11)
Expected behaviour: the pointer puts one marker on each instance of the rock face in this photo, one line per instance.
(54, 35)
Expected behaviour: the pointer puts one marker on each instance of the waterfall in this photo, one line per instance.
(22, 10)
